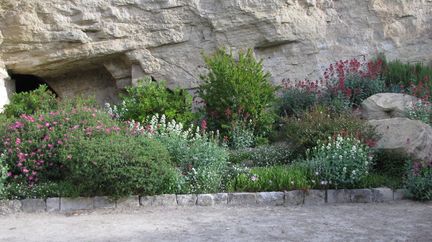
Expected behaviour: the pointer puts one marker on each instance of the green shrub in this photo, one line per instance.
(419, 180)
(374, 180)
(341, 162)
(390, 163)
(318, 124)
(298, 99)
(202, 161)
(3, 175)
(40, 99)
(241, 135)
(19, 190)
(118, 165)
(237, 89)
(275, 178)
(149, 98)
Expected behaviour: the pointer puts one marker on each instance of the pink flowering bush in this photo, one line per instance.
(32, 141)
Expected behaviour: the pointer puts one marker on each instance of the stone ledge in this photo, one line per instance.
(287, 198)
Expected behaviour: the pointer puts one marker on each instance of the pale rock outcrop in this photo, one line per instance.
(387, 105)
(404, 136)
(101, 46)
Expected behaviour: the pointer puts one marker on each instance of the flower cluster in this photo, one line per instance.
(421, 110)
(341, 161)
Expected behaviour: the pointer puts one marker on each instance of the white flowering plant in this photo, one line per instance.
(3, 175)
(420, 110)
(340, 162)
(198, 154)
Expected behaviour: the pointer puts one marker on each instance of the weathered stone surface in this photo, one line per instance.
(146, 201)
(382, 194)
(128, 202)
(399, 194)
(361, 195)
(387, 105)
(72, 43)
(405, 136)
(187, 200)
(220, 198)
(165, 200)
(338, 196)
(205, 200)
(270, 198)
(53, 204)
(33, 205)
(79, 203)
(10, 206)
(104, 202)
(242, 198)
(314, 197)
(294, 198)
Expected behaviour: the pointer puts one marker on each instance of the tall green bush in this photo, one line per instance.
(237, 89)
(149, 98)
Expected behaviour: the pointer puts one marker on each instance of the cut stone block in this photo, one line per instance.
(104, 202)
(10, 206)
(128, 202)
(399, 194)
(165, 200)
(187, 200)
(33, 205)
(220, 198)
(338, 196)
(382, 194)
(243, 198)
(53, 204)
(146, 201)
(361, 195)
(205, 200)
(294, 198)
(270, 198)
(79, 203)
(314, 197)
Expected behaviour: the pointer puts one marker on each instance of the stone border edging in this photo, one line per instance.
(287, 198)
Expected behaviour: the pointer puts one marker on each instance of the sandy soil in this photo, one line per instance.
(401, 221)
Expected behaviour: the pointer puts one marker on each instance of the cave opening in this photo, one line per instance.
(27, 83)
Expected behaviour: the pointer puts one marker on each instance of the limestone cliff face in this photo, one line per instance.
(100, 46)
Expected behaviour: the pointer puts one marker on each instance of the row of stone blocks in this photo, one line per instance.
(297, 197)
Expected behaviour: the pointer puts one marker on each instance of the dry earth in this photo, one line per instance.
(400, 221)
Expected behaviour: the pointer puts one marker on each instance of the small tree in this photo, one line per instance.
(237, 89)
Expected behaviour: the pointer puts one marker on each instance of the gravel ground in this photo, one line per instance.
(398, 221)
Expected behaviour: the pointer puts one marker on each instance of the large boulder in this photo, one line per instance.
(405, 136)
(387, 105)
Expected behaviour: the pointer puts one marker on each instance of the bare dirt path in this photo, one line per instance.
(400, 221)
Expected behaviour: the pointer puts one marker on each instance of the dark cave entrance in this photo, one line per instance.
(26, 83)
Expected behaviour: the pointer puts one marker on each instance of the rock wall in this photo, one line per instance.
(104, 45)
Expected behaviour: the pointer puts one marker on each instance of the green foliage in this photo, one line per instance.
(241, 134)
(340, 162)
(422, 111)
(401, 76)
(318, 124)
(275, 178)
(118, 165)
(18, 190)
(296, 101)
(3, 175)
(419, 180)
(390, 163)
(374, 180)
(202, 161)
(149, 98)
(40, 99)
(237, 90)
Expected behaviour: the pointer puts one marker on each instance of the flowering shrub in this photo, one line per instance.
(318, 124)
(421, 110)
(419, 180)
(149, 98)
(297, 98)
(241, 134)
(32, 141)
(237, 89)
(342, 161)
(197, 153)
